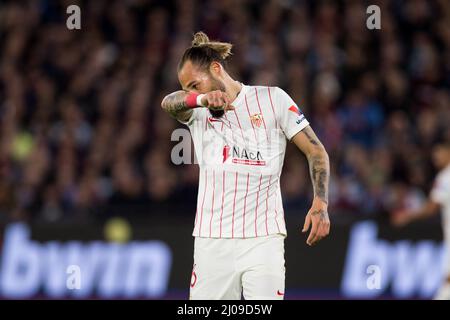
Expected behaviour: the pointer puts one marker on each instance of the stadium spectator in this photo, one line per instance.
(81, 127)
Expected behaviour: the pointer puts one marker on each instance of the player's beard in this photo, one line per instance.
(217, 85)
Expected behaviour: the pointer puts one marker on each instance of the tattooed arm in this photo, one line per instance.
(319, 167)
(175, 105)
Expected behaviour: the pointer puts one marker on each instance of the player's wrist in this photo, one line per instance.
(200, 100)
(194, 100)
(321, 203)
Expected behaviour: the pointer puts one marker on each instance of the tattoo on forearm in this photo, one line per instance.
(310, 137)
(319, 166)
(174, 103)
(319, 169)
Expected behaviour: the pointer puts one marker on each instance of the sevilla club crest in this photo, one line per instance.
(256, 119)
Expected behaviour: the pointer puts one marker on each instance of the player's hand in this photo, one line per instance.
(318, 218)
(217, 100)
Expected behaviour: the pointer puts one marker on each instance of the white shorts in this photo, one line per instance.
(225, 268)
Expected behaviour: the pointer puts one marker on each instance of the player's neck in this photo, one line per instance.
(233, 88)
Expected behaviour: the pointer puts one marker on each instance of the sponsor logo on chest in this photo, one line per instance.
(240, 155)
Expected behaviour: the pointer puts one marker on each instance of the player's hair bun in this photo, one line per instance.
(199, 39)
(202, 40)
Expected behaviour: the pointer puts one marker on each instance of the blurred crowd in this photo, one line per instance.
(81, 126)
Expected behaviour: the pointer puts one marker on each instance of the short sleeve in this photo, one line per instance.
(291, 118)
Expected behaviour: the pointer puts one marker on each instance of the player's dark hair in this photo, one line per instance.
(203, 51)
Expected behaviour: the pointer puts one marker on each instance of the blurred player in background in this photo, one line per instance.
(439, 201)
(239, 133)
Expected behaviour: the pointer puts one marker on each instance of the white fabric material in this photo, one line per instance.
(225, 268)
(199, 100)
(241, 156)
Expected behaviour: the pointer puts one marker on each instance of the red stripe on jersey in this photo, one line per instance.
(234, 203)
(212, 205)
(232, 131)
(203, 202)
(248, 110)
(260, 111)
(267, 205)
(226, 118)
(223, 195)
(256, 210)
(276, 212)
(245, 205)
(239, 123)
(271, 104)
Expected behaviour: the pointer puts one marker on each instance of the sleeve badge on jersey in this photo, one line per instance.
(298, 112)
(256, 119)
(295, 110)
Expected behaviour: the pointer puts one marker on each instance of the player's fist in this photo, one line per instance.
(217, 100)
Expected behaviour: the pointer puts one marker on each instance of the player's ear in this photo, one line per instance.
(215, 68)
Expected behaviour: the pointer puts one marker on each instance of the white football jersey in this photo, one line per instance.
(241, 156)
